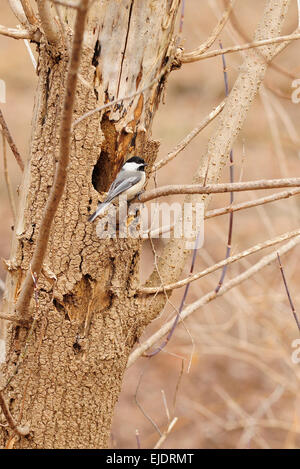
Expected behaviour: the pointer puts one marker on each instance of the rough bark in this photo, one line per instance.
(73, 359)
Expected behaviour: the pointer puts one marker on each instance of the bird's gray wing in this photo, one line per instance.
(121, 184)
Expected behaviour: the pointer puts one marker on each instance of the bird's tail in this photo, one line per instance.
(100, 209)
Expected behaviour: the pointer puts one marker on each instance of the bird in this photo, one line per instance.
(129, 181)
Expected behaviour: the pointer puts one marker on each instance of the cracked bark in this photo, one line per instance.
(70, 378)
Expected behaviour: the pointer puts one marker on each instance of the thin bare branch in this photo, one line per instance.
(231, 171)
(29, 12)
(16, 33)
(229, 260)
(18, 11)
(141, 408)
(182, 303)
(251, 203)
(12, 318)
(138, 440)
(166, 433)
(229, 50)
(206, 45)
(224, 210)
(181, 16)
(22, 431)
(181, 146)
(63, 161)
(141, 349)
(7, 180)
(11, 142)
(239, 29)
(32, 58)
(2, 285)
(219, 188)
(288, 293)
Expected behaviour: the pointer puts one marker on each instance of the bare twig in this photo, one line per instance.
(29, 335)
(29, 12)
(223, 263)
(2, 285)
(18, 10)
(32, 58)
(165, 404)
(279, 49)
(141, 408)
(138, 440)
(211, 116)
(181, 16)
(229, 50)
(61, 170)
(231, 169)
(182, 304)
(262, 409)
(22, 431)
(16, 33)
(288, 293)
(7, 181)
(178, 384)
(139, 351)
(12, 318)
(251, 203)
(11, 142)
(219, 188)
(166, 433)
(206, 45)
(64, 34)
(224, 210)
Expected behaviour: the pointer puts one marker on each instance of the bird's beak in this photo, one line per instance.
(145, 164)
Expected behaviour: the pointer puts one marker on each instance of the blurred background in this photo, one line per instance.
(227, 373)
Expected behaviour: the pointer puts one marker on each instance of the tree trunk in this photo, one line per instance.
(62, 373)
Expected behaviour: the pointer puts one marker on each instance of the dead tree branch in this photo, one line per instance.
(7, 180)
(16, 33)
(223, 263)
(181, 146)
(22, 431)
(219, 188)
(29, 12)
(11, 142)
(18, 11)
(251, 203)
(139, 351)
(229, 50)
(206, 45)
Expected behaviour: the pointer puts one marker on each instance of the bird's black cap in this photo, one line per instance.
(137, 160)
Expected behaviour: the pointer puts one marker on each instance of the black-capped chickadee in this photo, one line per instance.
(129, 181)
